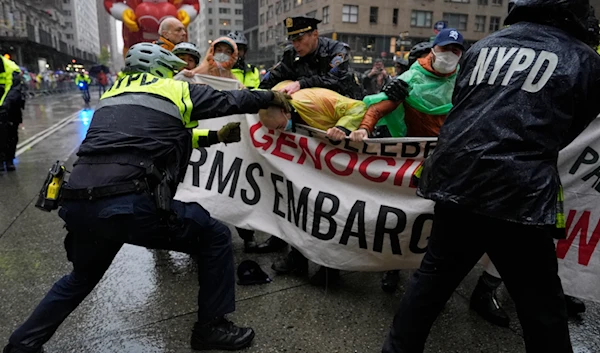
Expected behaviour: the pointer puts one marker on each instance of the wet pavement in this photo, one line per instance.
(146, 301)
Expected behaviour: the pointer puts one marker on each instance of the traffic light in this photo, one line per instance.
(7, 55)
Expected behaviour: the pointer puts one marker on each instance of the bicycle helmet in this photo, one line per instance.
(187, 48)
(238, 38)
(153, 59)
(418, 50)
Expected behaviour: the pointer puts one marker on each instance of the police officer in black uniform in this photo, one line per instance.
(135, 153)
(11, 103)
(313, 61)
(493, 174)
(310, 61)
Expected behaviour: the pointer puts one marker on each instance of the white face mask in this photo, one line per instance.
(445, 62)
(221, 57)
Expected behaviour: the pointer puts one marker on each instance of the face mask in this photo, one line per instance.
(221, 57)
(289, 125)
(445, 62)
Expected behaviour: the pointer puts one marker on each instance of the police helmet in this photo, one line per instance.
(238, 38)
(187, 48)
(418, 50)
(572, 16)
(153, 59)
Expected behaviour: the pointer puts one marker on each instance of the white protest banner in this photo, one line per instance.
(352, 206)
(214, 82)
(349, 206)
(579, 253)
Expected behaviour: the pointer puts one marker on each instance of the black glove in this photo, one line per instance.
(396, 90)
(282, 100)
(231, 132)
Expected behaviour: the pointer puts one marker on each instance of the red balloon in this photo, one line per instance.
(149, 15)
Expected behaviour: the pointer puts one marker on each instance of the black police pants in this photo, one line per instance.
(525, 258)
(3, 133)
(12, 138)
(96, 232)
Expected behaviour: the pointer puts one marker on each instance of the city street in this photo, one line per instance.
(146, 301)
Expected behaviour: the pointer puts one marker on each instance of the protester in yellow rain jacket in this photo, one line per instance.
(320, 108)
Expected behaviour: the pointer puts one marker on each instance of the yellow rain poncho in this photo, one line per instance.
(322, 108)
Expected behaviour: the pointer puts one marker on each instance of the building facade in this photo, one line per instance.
(379, 28)
(107, 37)
(81, 20)
(216, 19)
(34, 34)
(251, 30)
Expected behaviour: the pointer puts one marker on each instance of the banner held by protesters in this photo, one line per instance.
(352, 205)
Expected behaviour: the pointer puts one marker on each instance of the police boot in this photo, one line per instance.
(294, 262)
(11, 349)
(390, 280)
(485, 303)
(325, 277)
(272, 244)
(220, 334)
(249, 239)
(10, 166)
(574, 306)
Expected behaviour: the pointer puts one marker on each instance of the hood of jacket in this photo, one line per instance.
(210, 67)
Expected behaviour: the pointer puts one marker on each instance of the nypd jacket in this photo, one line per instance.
(327, 68)
(522, 94)
(143, 120)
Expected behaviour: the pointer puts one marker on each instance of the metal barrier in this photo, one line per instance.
(36, 89)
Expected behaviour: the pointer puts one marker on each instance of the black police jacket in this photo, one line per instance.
(144, 120)
(327, 68)
(521, 95)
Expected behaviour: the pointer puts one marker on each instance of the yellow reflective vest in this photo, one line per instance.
(178, 92)
(6, 77)
(250, 77)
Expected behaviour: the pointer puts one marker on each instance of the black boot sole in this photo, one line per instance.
(202, 346)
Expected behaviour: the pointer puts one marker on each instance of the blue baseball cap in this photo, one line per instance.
(449, 36)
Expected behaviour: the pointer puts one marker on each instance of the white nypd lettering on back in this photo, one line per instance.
(520, 60)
